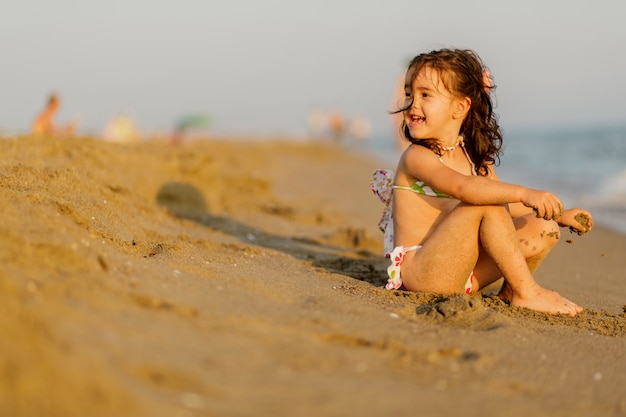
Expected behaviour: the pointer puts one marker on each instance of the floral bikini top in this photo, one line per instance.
(419, 187)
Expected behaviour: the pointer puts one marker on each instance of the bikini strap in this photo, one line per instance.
(468, 157)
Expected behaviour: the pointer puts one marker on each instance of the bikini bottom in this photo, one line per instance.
(394, 282)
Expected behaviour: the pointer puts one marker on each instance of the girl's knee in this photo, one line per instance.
(550, 231)
(549, 235)
(537, 236)
(486, 210)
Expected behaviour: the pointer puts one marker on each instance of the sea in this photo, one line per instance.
(584, 166)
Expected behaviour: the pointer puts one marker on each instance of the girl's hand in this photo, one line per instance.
(578, 220)
(544, 203)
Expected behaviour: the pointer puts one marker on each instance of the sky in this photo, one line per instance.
(259, 66)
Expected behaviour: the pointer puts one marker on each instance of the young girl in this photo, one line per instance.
(451, 225)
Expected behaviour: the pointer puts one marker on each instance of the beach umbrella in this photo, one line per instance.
(194, 121)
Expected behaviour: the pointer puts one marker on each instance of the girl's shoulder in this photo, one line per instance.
(417, 154)
(418, 162)
(419, 151)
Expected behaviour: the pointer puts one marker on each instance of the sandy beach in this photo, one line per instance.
(237, 277)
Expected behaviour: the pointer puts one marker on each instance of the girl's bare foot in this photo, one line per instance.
(540, 299)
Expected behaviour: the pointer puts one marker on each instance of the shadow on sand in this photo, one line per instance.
(185, 201)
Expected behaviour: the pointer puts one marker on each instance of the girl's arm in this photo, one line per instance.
(422, 163)
(516, 209)
(578, 221)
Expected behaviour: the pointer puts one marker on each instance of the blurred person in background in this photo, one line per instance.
(44, 123)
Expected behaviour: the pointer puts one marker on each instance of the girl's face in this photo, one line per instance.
(431, 113)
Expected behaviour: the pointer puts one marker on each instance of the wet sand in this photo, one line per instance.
(236, 277)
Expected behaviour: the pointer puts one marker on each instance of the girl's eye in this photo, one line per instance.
(425, 94)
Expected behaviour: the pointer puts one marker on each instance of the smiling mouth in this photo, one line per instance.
(413, 119)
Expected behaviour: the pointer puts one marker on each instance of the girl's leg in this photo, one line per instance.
(450, 254)
(537, 237)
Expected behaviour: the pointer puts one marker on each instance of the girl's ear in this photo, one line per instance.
(463, 106)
